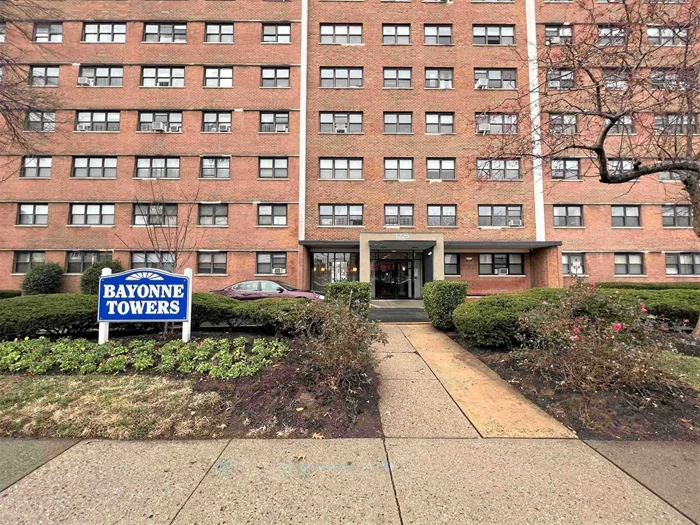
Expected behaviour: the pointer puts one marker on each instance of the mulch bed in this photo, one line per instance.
(661, 415)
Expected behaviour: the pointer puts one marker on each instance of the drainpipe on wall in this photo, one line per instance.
(302, 116)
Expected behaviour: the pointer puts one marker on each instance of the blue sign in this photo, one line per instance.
(146, 295)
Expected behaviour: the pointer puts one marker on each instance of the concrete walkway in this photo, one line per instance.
(443, 461)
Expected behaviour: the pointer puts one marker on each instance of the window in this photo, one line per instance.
(3, 29)
(272, 215)
(667, 36)
(397, 78)
(497, 123)
(274, 77)
(33, 214)
(398, 215)
(274, 122)
(398, 169)
(452, 264)
(48, 32)
(92, 214)
(215, 168)
(330, 267)
(500, 215)
(341, 33)
(78, 262)
(213, 215)
(94, 167)
(623, 126)
(683, 264)
(397, 123)
(216, 122)
(104, 32)
(501, 264)
(219, 33)
(36, 167)
(41, 121)
(161, 121)
(165, 33)
(341, 122)
(675, 124)
(97, 121)
(340, 215)
(440, 123)
(442, 215)
(615, 79)
(218, 77)
(620, 166)
(393, 34)
(498, 169)
(268, 262)
(277, 33)
(163, 77)
(101, 76)
(563, 123)
(273, 167)
(629, 264)
(42, 76)
(568, 215)
(440, 169)
(155, 214)
(676, 215)
(340, 168)
(493, 35)
(560, 79)
(211, 262)
(163, 260)
(566, 169)
(573, 264)
(611, 35)
(669, 78)
(438, 35)
(157, 167)
(557, 34)
(341, 77)
(495, 78)
(439, 78)
(25, 261)
(669, 176)
(625, 216)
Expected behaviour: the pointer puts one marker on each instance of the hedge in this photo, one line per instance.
(43, 279)
(7, 294)
(440, 299)
(675, 305)
(650, 286)
(354, 295)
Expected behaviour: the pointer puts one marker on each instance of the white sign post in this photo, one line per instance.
(187, 325)
(103, 335)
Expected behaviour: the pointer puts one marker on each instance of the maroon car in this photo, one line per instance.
(248, 290)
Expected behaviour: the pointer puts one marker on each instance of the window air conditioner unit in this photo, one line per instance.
(175, 128)
(341, 128)
(224, 128)
(84, 127)
(515, 222)
(86, 81)
(158, 126)
(163, 83)
(481, 83)
(279, 271)
(552, 40)
(280, 128)
(501, 271)
(484, 128)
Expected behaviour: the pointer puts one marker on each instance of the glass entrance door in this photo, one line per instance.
(393, 279)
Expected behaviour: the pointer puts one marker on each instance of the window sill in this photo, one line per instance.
(273, 178)
(333, 134)
(31, 225)
(399, 180)
(686, 276)
(391, 134)
(343, 180)
(339, 44)
(100, 87)
(501, 227)
(100, 132)
(432, 181)
(44, 87)
(211, 275)
(567, 180)
(218, 43)
(397, 88)
(217, 87)
(213, 178)
(276, 43)
(483, 179)
(392, 227)
(217, 132)
(138, 226)
(155, 178)
(627, 227)
(36, 131)
(501, 276)
(350, 88)
(676, 227)
(631, 276)
(102, 43)
(494, 89)
(575, 276)
(269, 274)
(569, 227)
(212, 226)
(161, 87)
(275, 87)
(155, 132)
(163, 43)
(494, 45)
(273, 132)
(439, 89)
(34, 178)
(444, 227)
(91, 178)
(278, 226)
(669, 181)
(439, 134)
(91, 226)
(337, 225)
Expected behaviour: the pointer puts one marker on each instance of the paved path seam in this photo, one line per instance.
(393, 483)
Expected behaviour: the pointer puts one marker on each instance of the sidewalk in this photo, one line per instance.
(444, 460)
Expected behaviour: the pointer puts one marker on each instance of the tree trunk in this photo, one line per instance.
(696, 332)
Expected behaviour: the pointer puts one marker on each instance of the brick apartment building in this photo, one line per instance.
(311, 141)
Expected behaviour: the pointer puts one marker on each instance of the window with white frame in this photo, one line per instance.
(440, 169)
(165, 32)
(683, 263)
(95, 167)
(438, 35)
(25, 261)
(213, 215)
(500, 215)
(493, 35)
(271, 263)
(615, 79)
(397, 78)
(41, 121)
(33, 214)
(563, 123)
(162, 260)
(218, 77)
(440, 123)
(396, 34)
(274, 77)
(398, 169)
(101, 76)
(36, 167)
(173, 77)
(498, 169)
(566, 169)
(568, 215)
(442, 215)
(216, 121)
(629, 264)
(671, 78)
(43, 76)
(398, 215)
(167, 121)
(558, 34)
(669, 176)
(497, 123)
(495, 78)
(3, 30)
(620, 166)
(341, 77)
(91, 214)
(219, 33)
(501, 264)
(276, 33)
(155, 214)
(573, 263)
(560, 78)
(340, 122)
(611, 35)
(675, 124)
(78, 262)
(452, 264)
(398, 123)
(273, 168)
(48, 32)
(97, 121)
(667, 35)
(623, 126)
(341, 33)
(157, 167)
(272, 215)
(340, 168)
(626, 216)
(215, 168)
(274, 122)
(439, 78)
(211, 263)
(676, 215)
(104, 32)
(340, 215)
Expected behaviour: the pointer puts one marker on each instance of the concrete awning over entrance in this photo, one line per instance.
(500, 245)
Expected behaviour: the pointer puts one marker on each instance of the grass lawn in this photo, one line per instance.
(685, 367)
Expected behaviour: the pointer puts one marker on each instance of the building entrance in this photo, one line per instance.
(396, 275)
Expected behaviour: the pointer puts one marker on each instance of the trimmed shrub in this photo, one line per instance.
(674, 305)
(441, 298)
(56, 314)
(90, 280)
(43, 279)
(8, 294)
(494, 321)
(354, 295)
(650, 286)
